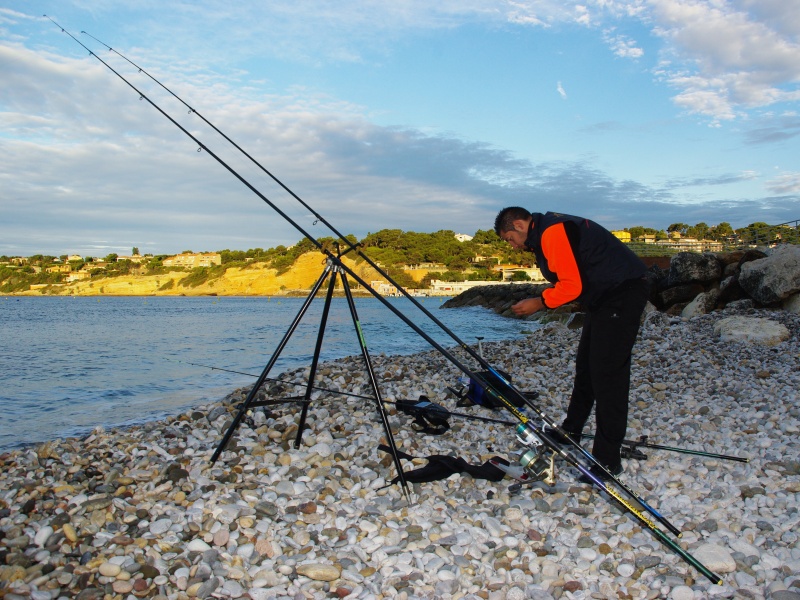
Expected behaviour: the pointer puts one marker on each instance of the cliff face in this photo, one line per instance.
(250, 281)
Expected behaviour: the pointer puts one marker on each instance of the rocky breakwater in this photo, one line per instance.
(142, 513)
(694, 284)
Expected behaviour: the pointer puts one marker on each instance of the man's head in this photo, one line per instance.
(512, 225)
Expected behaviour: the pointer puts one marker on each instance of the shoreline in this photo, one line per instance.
(142, 512)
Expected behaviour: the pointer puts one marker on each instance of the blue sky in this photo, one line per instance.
(412, 115)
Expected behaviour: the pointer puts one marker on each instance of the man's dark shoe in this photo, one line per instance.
(560, 438)
(595, 470)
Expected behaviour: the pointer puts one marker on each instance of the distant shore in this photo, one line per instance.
(256, 280)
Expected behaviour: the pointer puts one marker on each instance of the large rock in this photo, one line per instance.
(792, 304)
(679, 293)
(751, 329)
(701, 305)
(691, 267)
(715, 557)
(499, 297)
(774, 278)
(730, 291)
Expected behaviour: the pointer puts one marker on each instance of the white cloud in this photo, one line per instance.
(786, 183)
(85, 159)
(623, 46)
(723, 59)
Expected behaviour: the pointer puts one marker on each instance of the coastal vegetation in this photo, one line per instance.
(412, 259)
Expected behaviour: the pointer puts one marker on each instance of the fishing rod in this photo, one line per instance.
(508, 395)
(642, 442)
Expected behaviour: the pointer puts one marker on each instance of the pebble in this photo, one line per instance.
(681, 592)
(319, 572)
(142, 512)
(108, 569)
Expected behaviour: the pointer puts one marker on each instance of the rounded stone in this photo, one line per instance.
(319, 572)
(108, 569)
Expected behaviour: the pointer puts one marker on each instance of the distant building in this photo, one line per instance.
(193, 260)
(59, 269)
(623, 236)
(78, 276)
(534, 273)
(479, 258)
(453, 288)
(426, 266)
(688, 244)
(463, 237)
(384, 288)
(136, 258)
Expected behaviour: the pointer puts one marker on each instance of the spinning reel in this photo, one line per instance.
(538, 460)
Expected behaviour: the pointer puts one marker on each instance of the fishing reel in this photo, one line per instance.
(539, 460)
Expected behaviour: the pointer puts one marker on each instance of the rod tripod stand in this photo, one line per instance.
(333, 268)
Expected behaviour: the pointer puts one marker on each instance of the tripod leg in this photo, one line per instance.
(374, 383)
(261, 378)
(315, 361)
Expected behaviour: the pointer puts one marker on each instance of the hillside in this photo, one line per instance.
(255, 280)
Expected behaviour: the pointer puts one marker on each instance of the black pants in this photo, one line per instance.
(603, 368)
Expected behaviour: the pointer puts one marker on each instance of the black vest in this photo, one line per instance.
(604, 262)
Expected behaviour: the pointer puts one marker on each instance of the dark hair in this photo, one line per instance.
(506, 217)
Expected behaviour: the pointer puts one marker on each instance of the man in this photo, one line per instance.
(585, 262)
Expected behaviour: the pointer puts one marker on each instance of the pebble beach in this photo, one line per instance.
(143, 513)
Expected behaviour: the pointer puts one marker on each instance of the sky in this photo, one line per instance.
(408, 114)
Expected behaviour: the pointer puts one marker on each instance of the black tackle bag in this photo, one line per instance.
(429, 417)
(479, 392)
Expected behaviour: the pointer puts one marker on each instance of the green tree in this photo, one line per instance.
(232, 256)
(637, 232)
(135, 251)
(756, 233)
(486, 237)
(721, 232)
(678, 228)
(699, 231)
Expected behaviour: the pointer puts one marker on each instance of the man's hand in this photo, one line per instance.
(526, 307)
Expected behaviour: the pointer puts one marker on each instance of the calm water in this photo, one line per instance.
(69, 364)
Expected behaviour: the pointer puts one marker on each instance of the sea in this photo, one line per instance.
(71, 364)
